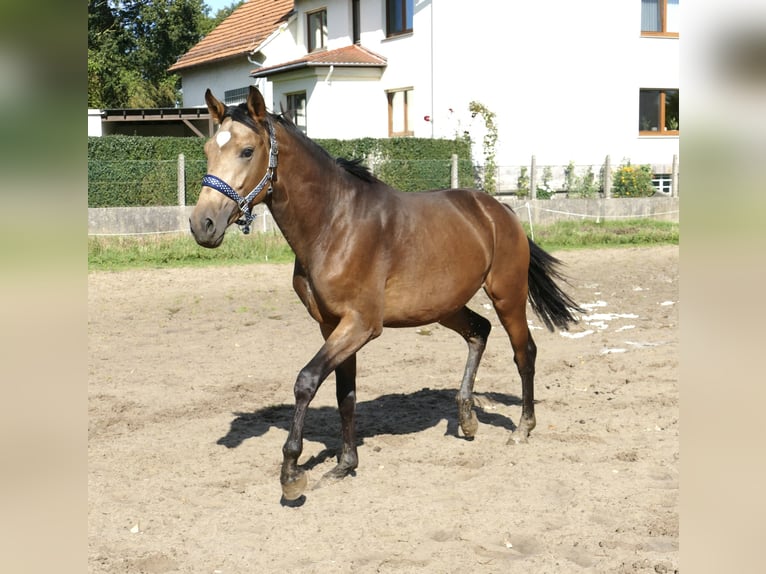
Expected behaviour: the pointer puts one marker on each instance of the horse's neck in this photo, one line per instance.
(307, 194)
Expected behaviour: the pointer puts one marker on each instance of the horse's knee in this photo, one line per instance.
(305, 386)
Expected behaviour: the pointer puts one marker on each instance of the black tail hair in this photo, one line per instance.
(548, 301)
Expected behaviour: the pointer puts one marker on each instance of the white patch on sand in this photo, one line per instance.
(222, 138)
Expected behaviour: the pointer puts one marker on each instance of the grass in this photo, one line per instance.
(577, 234)
(180, 250)
(126, 252)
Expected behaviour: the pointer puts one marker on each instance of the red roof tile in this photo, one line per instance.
(352, 56)
(244, 30)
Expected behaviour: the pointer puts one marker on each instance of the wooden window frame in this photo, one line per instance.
(408, 130)
(408, 9)
(309, 36)
(663, 33)
(662, 131)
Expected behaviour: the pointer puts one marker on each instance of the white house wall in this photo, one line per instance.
(558, 92)
(562, 77)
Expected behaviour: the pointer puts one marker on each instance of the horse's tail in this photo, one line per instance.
(548, 301)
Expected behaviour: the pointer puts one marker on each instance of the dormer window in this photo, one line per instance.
(317, 30)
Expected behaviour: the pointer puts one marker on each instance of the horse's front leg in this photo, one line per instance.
(337, 353)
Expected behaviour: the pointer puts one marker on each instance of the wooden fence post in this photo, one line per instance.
(181, 180)
(453, 172)
(608, 177)
(533, 179)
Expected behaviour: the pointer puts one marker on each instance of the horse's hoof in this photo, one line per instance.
(470, 426)
(518, 438)
(293, 489)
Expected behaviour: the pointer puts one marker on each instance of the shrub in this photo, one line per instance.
(127, 171)
(545, 192)
(522, 183)
(584, 186)
(632, 181)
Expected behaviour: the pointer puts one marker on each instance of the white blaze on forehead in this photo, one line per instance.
(222, 137)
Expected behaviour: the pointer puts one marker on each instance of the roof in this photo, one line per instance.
(349, 56)
(243, 31)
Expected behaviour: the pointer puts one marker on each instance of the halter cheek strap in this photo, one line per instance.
(243, 203)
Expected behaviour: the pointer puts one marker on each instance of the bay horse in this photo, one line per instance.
(368, 256)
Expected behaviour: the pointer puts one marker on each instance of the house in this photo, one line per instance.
(566, 81)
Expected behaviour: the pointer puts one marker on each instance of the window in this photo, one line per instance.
(400, 113)
(296, 109)
(233, 97)
(659, 18)
(658, 112)
(317, 30)
(398, 17)
(663, 183)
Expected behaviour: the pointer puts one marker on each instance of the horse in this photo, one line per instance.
(368, 256)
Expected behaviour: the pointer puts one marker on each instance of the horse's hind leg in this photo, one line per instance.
(512, 311)
(345, 392)
(474, 329)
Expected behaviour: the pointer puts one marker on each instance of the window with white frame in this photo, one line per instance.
(400, 110)
(659, 18)
(296, 109)
(316, 24)
(237, 96)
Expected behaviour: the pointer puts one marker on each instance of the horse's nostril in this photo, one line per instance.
(209, 225)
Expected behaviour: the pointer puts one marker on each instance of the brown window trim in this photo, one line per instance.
(663, 33)
(659, 34)
(309, 40)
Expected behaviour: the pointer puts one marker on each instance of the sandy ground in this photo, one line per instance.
(190, 396)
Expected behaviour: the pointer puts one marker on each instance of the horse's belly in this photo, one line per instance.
(426, 301)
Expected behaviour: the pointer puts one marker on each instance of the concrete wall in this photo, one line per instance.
(160, 220)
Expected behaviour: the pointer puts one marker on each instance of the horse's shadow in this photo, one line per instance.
(394, 414)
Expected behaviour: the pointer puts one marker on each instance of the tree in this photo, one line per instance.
(132, 43)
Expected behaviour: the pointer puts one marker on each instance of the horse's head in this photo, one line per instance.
(241, 158)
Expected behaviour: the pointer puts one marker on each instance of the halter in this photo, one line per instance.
(243, 203)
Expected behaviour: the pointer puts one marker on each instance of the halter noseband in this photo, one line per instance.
(243, 203)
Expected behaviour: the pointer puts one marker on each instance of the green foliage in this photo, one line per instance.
(585, 186)
(490, 140)
(132, 43)
(612, 233)
(545, 191)
(522, 182)
(115, 253)
(632, 181)
(127, 171)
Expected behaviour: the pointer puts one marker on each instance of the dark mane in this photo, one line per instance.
(239, 114)
(352, 166)
(355, 167)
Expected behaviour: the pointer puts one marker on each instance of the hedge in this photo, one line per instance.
(128, 171)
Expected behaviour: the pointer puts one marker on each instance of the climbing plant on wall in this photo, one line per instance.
(490, 139)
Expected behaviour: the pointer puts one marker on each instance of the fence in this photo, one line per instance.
(592, 199)
(579, 180)
(106, 221)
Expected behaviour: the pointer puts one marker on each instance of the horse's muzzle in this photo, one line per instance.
(208, 228)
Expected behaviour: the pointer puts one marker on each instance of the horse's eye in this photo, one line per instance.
(247, 152)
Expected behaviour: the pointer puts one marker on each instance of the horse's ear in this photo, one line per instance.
(255, 104)
(216, 108)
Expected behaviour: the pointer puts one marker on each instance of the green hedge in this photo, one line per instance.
(128, 171)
